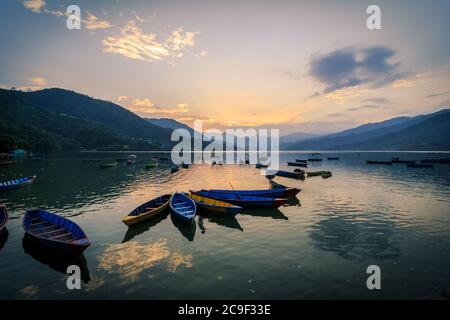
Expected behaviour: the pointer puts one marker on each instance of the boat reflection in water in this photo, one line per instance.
(265, 212)
(3, 237)
(228, 222)
(186, 229)
(58, 262)
(144, 226)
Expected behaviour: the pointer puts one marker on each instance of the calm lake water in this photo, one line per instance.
(392, 216)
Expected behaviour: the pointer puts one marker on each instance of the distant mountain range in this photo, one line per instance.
(58, 119)
(169, 124)
(423, 132)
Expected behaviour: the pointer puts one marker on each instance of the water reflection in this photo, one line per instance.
(144, 226)
(129, 259)
(178, 259)
(356, 238)
(228, 222)
(3, 238)
(56, 262)
(265, 212)
(186, 229)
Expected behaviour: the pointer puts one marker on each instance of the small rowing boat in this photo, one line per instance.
(301, 160)
(183, 207)
(260, 165)
(214, 205)
(332, 158)
(275, 185)
(267, 193)
(3, 217)
(420, 165)
(379, 162)
(147, 210)
(287, 174)
(54, 231)
(397, 160)
(16, 183)
(108, 165)
(150, 165)
(297, 164)
(243, 201)
(319, 173)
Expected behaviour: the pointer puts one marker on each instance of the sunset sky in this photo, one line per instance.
(310, 66)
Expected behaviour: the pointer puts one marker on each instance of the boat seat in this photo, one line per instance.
(50, 232)
(182, 208)
(44, 227)
(38, 224)
(61, 235)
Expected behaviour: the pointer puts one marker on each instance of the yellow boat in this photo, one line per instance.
(147, 210)
(215, 206)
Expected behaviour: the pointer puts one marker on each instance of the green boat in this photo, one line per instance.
(150, 165)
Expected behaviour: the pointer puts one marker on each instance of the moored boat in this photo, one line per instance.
(260, 165)
(332, 158)
(301, 160)
(315, 157)
(3, 217)
(379, 162)
(54, 231)
(297, 164)
(267, 193)
(214, 205)
(319, 173)
(174, 169)
(150, 165)
(147, 210)
(287, 174)
(16, 183)
(244, 201)
(397, 160)
(446, 161)
(183, 207)
(420, 165)
(275, 185)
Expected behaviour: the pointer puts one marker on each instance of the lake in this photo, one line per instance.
(316, 248)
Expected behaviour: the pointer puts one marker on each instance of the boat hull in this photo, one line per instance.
(17, 183)
(130, 219)
(297, 164)
(179, 199)
(3, 217)
(267, 193)
(245, 201)
(215, 206)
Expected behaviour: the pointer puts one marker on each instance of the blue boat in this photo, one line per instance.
(183, 207)
(54, 232)
(266, 193)
(17, 183)
(242, 200)
(3, 217)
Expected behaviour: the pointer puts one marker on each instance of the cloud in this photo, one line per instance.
(378, 100)
(91, 22)
(203, 53)
(415, 80)
(350, 67)
(438, 94)
(147, 108)
(34, 5)
(134, 44)
(370, 106)
(38, 81)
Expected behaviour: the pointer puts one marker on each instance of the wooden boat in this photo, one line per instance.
(318, 173)
(266, 193)
(174, 169)
(243, 201)
(150, 165)
(54, 231)
(215, 206)
(108, 165)
(327, 175)
(147, 210)
(397, 160)
(378, 162)
(183, 207)
(332, 158)
(420, 165)
(3, 217)
(315, 157)
(287, 174)
(17, 183)
(301, 160)
(297, 164)
(260, 165)
(446, 161)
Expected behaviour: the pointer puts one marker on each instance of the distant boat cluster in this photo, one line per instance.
(426, 163)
